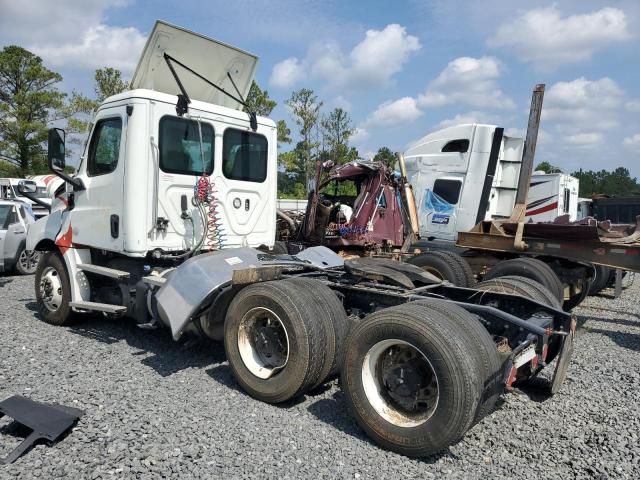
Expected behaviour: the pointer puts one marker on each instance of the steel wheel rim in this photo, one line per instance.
(400, 383)
(29, 260)
(263, 342)
(50, 289)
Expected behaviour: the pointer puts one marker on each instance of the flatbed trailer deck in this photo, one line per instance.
(615, 246)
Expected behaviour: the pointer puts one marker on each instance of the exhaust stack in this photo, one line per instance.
(409, 197)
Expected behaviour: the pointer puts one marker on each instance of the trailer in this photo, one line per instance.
(166, 222)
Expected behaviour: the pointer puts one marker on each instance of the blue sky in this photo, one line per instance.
(402, 69)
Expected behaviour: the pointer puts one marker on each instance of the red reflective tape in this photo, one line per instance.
(65, 241)
(542, 209)
(512, 377)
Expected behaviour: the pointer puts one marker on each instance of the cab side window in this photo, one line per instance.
(186, 146)
(104, 149)
(244, 156)
(448, 190)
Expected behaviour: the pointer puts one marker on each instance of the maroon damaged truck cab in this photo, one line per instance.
(356, 205)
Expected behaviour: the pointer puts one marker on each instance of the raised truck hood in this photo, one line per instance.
(208, 57)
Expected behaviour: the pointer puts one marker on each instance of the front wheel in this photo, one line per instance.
(27, 262)
(53, 290)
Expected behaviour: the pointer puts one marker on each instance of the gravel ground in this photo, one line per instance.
(155, 408)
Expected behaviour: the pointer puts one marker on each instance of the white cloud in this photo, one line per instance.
(633, 106)
(583, 105)
(547, 39)
(41, 22)
(71, 33)
(340, 102)
(469, 81)
(632, 142)
(397, 112)
(286, 73)
(359, 135)
(469, 117)
(586, 139)
(372, 62)
(99, 46)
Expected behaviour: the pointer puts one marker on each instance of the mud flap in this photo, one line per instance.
(46, 421)
(564, 358)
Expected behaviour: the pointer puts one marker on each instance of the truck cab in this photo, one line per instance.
(462, 175)
(155, 182)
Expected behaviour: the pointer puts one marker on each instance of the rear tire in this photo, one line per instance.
(275, 343)
(447, 266)
(333, 311)
(53, 290)
(531, 268)
(483, 346)
(522, 286)
(409, 380)
(600, 280)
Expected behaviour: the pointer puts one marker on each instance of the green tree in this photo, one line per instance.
(109, 82)
(28, 100)
(617, 182)
(79, 108)
(546, 167)
(305, 107)
(337, 129)
(258, 101)
(386, 156)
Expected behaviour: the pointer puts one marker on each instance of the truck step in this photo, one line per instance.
(105, 271)
(99, 307)
(154, 280)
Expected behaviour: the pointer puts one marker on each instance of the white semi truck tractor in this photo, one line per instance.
(169, 220)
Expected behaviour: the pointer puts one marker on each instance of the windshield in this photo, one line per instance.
(5, 216)
(343, 191)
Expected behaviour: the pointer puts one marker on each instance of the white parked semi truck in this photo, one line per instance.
(459, 183)
(169, 220)
(472, 173)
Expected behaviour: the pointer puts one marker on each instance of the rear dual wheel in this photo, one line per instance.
(283, 338)
(414, 379)
(532, 268)
(447, 266)
(523, 286)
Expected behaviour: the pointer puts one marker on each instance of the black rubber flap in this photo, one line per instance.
(46, 421)
(564, 359)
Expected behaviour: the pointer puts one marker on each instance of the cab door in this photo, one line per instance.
(440, 207)
(97, 213)
(246, 187)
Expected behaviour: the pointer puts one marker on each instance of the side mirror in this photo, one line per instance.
(56, 151)
(27, 186)
(56, 161)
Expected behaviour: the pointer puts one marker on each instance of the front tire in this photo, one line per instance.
(53, 290)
